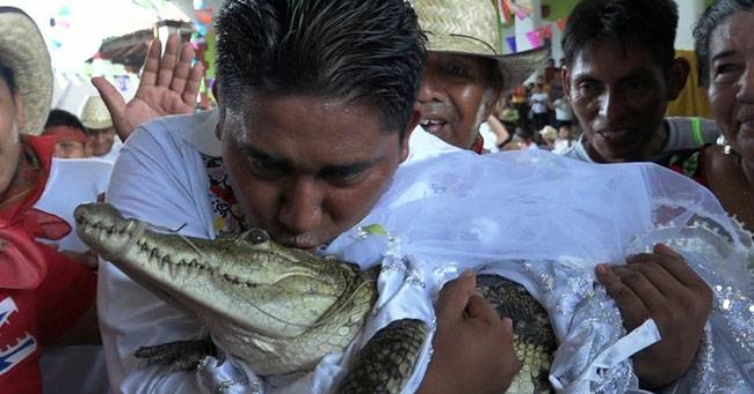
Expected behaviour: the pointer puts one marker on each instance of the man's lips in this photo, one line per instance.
(614, 134)
(432, 126)
(297, 242)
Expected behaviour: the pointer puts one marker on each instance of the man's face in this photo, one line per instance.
(455, 97)
(305, 169)
(9, 134)
(620, 97)
(731, 90)
(100, 141)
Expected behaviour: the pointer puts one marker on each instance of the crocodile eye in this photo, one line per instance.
(257, 236)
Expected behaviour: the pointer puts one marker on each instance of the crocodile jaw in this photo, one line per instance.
(262, 291)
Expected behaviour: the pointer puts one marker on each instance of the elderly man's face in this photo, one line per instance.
(456, 96)
(305, 169)
(10, 113)
(99, 142)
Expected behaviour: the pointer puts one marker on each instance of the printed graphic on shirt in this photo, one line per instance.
(13, 351)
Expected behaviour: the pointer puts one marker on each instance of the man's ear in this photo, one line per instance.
(416, 117)
(679, 73)
(220, 122)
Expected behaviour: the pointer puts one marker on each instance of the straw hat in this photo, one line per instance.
(549, 133)
(95, 115)
(23, 50)
(470, 27)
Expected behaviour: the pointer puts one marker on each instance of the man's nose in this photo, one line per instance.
(302, 206)
(432, 87)
(612, 105)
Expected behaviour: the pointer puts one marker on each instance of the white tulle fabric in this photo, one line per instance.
(545, 222)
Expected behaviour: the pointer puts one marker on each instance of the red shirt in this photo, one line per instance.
(33, 318)
(42, 292)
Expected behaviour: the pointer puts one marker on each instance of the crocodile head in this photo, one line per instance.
(247, 279)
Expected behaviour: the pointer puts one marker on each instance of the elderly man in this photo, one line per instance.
(620, 73)
(466, 73)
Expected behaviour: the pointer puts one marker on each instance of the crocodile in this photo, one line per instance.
(282, 310)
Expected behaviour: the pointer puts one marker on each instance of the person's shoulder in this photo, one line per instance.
(170, 124)
(176, 132)
(577, 152)
(690, 132)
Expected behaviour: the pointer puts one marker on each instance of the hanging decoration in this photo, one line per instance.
(511, 43)
(507, 8)
(535, 38)
(202, 18)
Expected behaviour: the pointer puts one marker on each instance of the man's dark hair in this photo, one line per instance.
(59, 117)
(370, 52)
(6, 73)
(713, 16)
(649, 24)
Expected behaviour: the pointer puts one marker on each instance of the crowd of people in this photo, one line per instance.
(333, 115)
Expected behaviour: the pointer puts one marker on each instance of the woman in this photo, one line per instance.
(724, 38)
(44, 293)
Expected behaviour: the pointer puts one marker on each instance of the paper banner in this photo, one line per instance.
(534, 38)
(511, 43)
(562, 24)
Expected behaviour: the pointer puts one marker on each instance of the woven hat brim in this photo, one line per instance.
(97, 124)
(23, 49)
(95, 115)
(516, 67)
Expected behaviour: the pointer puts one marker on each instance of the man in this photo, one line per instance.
(620, 73)
(70, 134)
(309, 147)
(466, 73)
(101, 139)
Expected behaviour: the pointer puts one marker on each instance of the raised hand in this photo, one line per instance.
(168, 85)
(473, 347)
(662, 286)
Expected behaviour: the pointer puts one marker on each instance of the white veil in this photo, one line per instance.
(546, 221)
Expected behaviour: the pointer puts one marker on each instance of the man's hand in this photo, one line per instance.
(473, 346)
(662, 286)
(168, 85)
